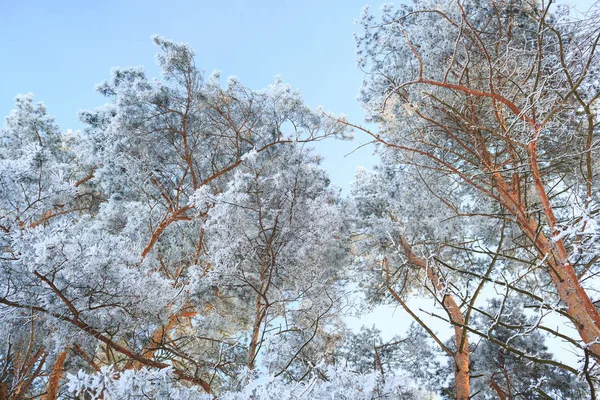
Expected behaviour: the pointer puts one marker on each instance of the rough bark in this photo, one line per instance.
(461, 355)
(54, 380)
(579, 306)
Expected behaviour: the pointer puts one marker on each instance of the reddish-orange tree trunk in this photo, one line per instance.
(55, 375)
(461, 356)
(580, 308)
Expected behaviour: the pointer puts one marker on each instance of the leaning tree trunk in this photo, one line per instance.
(579, 306)
(461, 356)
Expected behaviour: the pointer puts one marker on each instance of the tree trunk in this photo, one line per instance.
(462, 379)
(260, 314)
(580, 308)
(55, 375)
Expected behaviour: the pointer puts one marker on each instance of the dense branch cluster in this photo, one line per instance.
(188, 245)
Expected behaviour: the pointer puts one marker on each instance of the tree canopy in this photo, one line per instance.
(188, 244)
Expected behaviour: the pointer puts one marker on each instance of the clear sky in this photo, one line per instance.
(60, 49)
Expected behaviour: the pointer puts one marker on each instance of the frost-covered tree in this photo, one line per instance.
(390, 205)
(499, 372)
(412, 354)
(275, 242)
(365, 351)
(341, 384)
(39, 181)
(109, 259)
(387, 202)
(498, 98)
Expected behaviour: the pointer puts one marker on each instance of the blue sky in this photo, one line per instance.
(60, 49)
